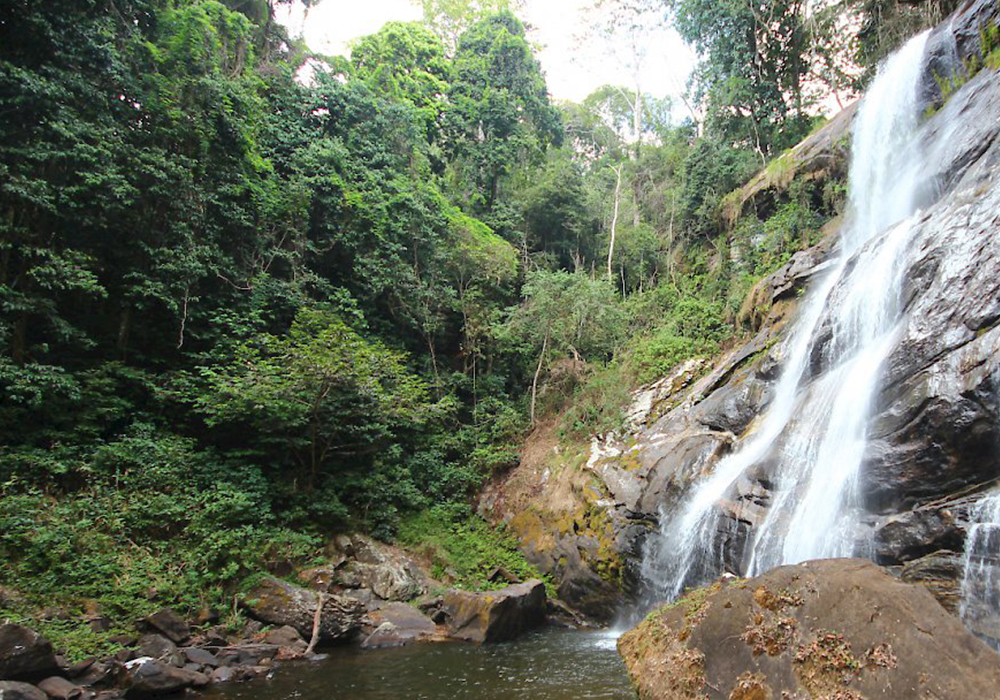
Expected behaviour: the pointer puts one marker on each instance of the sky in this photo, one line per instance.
(573, 67)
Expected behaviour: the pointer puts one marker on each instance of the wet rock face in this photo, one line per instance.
(277, 602)
(495, 616)
(840, 628)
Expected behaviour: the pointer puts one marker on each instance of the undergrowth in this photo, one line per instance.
(463, 549)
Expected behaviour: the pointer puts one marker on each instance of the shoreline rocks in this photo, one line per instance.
(495, 616)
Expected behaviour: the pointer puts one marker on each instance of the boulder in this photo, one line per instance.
(223, 674)
(287, 637)
(202, 657)
(170, 625)
(836, 628)
(24, 654)
(940, 573)
(397, 624)
(277, 602)
(59, 688)
(151, 678)
(156, 646)
(495, 616)
(13, 690)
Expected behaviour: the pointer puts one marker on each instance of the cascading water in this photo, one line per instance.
(980, 591)
(811, 440)
(980, 607)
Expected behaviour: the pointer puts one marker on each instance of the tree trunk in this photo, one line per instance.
(614, 218)
(538, 372)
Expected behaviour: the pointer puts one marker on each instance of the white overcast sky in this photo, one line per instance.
(573, 68)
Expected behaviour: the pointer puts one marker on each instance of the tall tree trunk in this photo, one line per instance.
(614, 218)
(538, 372)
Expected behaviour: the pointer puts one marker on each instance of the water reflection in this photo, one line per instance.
(551, 664)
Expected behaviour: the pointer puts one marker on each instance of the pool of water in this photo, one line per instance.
(550, 664)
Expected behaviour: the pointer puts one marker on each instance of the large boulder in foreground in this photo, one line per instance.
(24, 654)
(837, 628)
(496, 616)
(278, 602)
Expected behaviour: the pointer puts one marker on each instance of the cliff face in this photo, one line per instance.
(933, 441)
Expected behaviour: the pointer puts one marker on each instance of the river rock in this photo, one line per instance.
(286, 636)
(13, 690)
(495, 616)
(277, 602)
(171, 625)
(397, 624)
(151, 678)
(202, 657)
(837, 628)
(24, 654)
(156, 646)
(59, 688)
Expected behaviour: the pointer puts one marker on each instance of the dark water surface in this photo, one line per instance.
(551, 664)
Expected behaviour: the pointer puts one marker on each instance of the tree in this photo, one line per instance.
(405, 61)
(499, 116)
(321, 393)
(567, 313)
(753, 64)
(450, 18)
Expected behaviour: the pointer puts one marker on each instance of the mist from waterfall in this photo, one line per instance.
(810, 443)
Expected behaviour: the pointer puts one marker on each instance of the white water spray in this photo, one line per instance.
(812, 438)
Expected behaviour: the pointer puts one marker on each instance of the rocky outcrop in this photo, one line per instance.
(840, 628)
(278, 602)
(821, 156)
(24, 654)
(362, 563)
(495, 616)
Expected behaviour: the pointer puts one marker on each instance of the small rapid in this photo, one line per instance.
(809, 445)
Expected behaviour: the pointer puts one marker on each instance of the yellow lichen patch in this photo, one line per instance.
(750, 686)
(660, 666)
(826, 664)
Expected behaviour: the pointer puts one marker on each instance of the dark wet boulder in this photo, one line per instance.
(940, 573)
(13, 690)
(916, 533)
(836, 628)
(152, 678)
(25, 654)
(170, 625)
(495, 616)
(277, 602)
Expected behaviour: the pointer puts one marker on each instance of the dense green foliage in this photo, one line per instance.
(464, 549)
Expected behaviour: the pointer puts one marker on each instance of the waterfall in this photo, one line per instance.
(980, 588)
(810, 443)
(980, 606)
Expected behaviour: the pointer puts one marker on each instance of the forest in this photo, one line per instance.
(252, 296)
